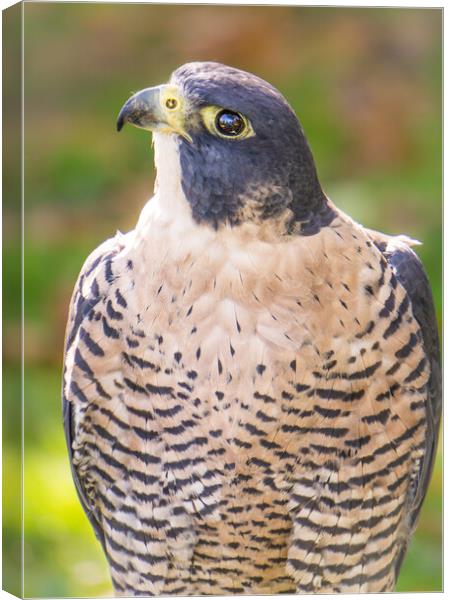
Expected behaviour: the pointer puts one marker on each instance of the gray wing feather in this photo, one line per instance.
(410, 273)
(67, 411)
(80, 308)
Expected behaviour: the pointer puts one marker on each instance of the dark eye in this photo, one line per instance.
(171, 103)
(229, 123)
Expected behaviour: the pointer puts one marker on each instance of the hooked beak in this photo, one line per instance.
(159, 108)
(143, 110)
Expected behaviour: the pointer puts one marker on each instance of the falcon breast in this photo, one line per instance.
(252, 383)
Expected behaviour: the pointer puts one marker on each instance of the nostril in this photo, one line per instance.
(171, 103)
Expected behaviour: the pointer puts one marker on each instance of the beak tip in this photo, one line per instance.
(120, 121)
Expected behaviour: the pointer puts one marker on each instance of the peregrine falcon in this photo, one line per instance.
(252, 387)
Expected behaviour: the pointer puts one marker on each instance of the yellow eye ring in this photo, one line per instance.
(226, 123)
(171, 103)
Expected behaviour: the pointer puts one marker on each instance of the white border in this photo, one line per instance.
(384, 4)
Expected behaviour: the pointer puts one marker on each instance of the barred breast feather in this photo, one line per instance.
(251, 415)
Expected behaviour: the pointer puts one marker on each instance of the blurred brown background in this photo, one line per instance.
(366, 85)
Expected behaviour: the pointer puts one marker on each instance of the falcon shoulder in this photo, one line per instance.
(87, 294)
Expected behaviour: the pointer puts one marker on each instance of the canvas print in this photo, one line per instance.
(231, 372)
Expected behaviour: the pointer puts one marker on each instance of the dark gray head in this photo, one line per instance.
(242, 151)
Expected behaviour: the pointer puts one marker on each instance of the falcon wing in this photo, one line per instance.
(85, 297)
(410, 273)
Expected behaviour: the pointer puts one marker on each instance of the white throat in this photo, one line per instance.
(168, 214)
(168, 190)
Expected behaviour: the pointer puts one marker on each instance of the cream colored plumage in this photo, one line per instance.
(248, 410)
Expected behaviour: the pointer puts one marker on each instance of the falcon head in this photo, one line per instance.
(242, 153)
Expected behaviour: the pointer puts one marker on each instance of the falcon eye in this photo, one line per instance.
(226, 123)
(171, 103)
(229, 123)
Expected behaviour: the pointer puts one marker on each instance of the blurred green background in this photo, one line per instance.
(366, 84)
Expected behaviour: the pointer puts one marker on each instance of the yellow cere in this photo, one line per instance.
(173, 104)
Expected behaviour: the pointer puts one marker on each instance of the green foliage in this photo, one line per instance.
(366, 84)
